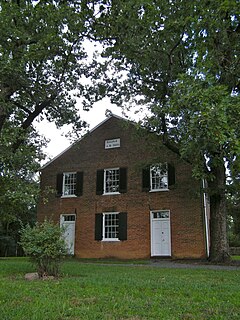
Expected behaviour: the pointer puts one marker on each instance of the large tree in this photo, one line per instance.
(43, 57)
(181, 58)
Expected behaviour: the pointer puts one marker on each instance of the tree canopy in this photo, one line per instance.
(43, 57)
(181, 58)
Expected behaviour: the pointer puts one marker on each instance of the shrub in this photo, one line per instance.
(234, 240)
(45, 245)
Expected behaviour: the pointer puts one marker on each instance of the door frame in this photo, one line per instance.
(62, 222)
(151, 232)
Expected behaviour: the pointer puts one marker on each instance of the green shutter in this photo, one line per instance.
(59, 184)
(99, 183)
(123, 180)
(122, 226)
(98, 226)
(79, 184)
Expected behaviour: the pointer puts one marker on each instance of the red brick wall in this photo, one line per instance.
(89, 155)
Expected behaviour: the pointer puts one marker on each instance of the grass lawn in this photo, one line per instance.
(235, 257)
(96, 291)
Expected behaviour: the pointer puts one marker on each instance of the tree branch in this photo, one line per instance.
(39, 108)
(29, 120)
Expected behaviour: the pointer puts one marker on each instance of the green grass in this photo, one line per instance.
(104, 292)
(235, 258)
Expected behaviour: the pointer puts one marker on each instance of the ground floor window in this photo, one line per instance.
(111, 226)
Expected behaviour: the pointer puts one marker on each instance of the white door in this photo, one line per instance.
(160, 233)
(68, 223)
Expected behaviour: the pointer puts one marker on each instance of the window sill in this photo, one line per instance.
(158, 190)
(111, 193)
(110, 240)
(69, 196)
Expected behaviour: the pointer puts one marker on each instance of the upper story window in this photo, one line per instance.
(69, 184)
(111, 180)
(159, 177)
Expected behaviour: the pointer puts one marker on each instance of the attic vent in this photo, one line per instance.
(112, 143)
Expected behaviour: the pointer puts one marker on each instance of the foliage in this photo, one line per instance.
(19, 190)
(10, 224)
(233, 209)
(45, 244)
(43, 56)
(207, 127)
(93, 291)
(181, 59)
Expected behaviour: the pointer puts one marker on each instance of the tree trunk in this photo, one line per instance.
(219, 249)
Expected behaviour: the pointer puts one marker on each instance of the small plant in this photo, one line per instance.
(45, 245)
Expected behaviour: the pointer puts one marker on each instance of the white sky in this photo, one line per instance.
(59, 143)
(93, 117)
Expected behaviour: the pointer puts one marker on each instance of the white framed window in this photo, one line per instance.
(161, 214)
(111, 180)
(68, 217)
(111, 226)
(159, 177)
(69, 184)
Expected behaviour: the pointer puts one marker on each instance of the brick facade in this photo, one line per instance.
(137, 149)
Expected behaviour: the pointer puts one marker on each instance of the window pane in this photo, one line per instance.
(111, 180)
(159, 177)
(69, 217)
(161, 214)
(69, 184)
(111, 223)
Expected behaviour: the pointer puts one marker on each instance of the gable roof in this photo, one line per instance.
(90, 131)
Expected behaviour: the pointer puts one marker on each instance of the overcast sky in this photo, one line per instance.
(57, 141)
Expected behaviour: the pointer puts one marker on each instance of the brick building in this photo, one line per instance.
(121, 193)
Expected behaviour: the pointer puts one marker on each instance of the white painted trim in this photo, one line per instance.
(103, 228)
(63, 185)
(69, 196)
(90, 131)
(151, 177)
(63, 222)
(158, 190)
(110, 193)
(66, 214)
(104, 181)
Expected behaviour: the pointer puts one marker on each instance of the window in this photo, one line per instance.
(69, 184)
(111, 181)
(159, 177)
(163, 214)
(68, 217)
(111, 226)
